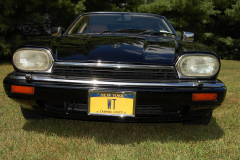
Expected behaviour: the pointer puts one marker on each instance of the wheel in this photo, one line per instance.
(204, 121)
(27, 114)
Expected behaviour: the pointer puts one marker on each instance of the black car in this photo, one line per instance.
(117, 66)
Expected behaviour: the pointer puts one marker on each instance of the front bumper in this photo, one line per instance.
(155, 101)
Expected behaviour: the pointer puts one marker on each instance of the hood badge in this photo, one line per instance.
(116, 45)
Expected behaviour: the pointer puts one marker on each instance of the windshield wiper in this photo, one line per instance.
(131, 30)
(138, 31)
(128, 30)
(155, 33)
(108, 31)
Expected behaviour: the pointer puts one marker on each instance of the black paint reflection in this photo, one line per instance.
(116, 48)
(109, 48)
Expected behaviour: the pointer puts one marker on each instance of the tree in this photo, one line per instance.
(192, 15)
(114, 5)
(214, 22)
(20, 19)
(228, 32)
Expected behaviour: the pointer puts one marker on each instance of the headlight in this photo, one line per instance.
(198, 65)
(28, 59)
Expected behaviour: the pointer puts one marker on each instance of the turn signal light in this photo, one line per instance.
(204, 96)
(22, 89)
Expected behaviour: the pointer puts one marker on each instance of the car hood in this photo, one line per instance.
(118, 49)
(115, 48)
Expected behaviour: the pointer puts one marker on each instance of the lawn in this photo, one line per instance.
(71, 139)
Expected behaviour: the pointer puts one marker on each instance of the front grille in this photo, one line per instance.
(141, 110)
(64, 107)
(116, 73)
(160, 110)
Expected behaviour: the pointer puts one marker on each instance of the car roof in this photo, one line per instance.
(136, 13)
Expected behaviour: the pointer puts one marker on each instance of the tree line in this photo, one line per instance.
(214, 22)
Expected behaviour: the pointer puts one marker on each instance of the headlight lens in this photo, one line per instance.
(32, 59)
(198, 65)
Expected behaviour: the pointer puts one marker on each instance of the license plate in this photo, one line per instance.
(112, 104)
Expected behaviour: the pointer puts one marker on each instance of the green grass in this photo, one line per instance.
(70, 139)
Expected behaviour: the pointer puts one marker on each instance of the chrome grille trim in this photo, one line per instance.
(108, 65)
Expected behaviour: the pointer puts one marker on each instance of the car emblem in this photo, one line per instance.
(116, 46)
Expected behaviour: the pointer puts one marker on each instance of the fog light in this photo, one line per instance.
(204, 96)
(22, 89)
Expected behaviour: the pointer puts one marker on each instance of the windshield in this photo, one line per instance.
(122, 22)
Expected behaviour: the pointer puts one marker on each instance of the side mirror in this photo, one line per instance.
(56, 31)
(187, 36)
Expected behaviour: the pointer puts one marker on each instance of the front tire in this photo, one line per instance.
(204, 121)
(28, 115)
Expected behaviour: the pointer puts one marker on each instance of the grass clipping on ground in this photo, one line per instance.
(70, 139)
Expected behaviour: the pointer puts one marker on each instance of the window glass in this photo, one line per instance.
(97, 23)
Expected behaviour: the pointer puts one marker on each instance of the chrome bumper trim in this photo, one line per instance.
(111, 115)
(207, 84)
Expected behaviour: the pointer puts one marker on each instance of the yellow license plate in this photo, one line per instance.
(111, 104)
